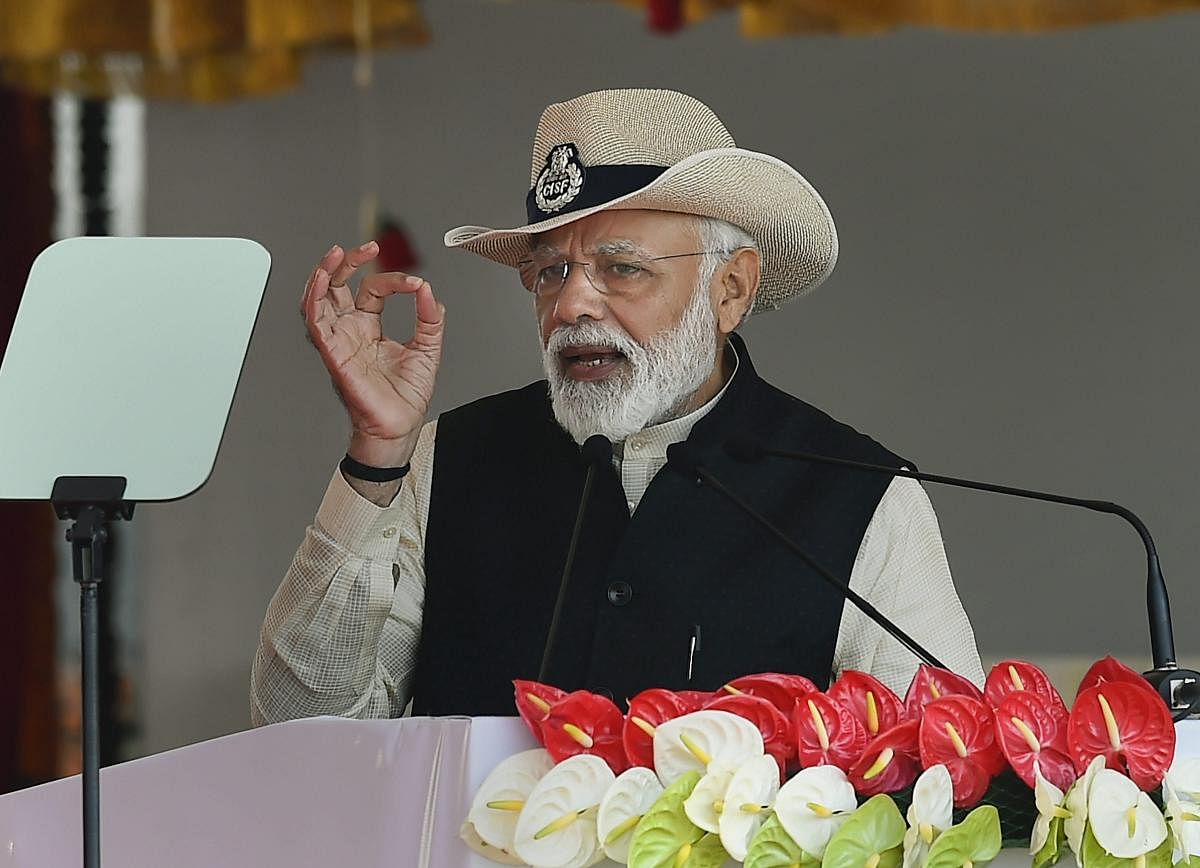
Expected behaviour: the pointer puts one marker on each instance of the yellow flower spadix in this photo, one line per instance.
(881, 762)
(819, 725)
(960, 747)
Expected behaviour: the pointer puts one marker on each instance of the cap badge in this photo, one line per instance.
(561, 180)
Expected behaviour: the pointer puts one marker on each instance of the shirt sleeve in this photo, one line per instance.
(901, 569)
(341, 632)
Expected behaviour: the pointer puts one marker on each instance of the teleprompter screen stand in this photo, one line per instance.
(114, 390)
(90, 502)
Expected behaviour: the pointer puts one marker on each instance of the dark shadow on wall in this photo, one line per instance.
(28, 712)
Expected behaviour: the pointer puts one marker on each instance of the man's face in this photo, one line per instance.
(633, 235)
(635, 341)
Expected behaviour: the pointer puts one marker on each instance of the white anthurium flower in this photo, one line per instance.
(1049, 801)
(930, 814)
(1126, 823)
(1183, 819)
(748, 801)
(557, 826)
(630, 796)
(694, 741)
(707, 802)
(813, 805)
(1183, 779)
(1077, 804)
(1181, 792)
(472, 839)
(500, 798)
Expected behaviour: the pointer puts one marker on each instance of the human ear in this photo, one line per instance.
(738, 284)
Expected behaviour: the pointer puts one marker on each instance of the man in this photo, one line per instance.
(433, 567)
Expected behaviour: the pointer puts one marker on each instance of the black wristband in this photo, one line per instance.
(372, 474)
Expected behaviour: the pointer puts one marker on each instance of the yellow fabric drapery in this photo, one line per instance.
(202, 50)
(782, 17)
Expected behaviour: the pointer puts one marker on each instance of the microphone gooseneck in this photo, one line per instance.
(684, 459)
(596, 451)
(1166, 676)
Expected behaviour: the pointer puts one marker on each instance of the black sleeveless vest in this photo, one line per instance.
(505, 491)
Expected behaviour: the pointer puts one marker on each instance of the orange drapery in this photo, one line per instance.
(782, 17)
(202, 50)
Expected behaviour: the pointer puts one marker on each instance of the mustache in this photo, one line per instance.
(591, 334)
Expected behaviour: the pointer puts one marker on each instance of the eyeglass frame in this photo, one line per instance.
(602, 288)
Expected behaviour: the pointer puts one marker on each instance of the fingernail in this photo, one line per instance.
(413, 280)
(364, 248)
(332, 250)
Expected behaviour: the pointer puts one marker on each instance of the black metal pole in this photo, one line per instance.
(88, 535)
(89, 626)
(869, 610)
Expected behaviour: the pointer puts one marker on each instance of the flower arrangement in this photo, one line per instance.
(770, 771)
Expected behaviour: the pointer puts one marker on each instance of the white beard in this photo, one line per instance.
(657, 383)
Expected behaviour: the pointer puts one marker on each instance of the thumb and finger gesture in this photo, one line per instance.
(385, 385)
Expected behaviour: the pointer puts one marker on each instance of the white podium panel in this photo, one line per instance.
(325, 792)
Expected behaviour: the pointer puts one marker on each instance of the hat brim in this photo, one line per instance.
(757, 192)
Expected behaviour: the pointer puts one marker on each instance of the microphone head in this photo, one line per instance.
(683, 458)
(743, 449)
(597, 449)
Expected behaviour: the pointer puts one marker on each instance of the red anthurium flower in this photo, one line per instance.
(1126, 724)
(611, 749)
(959, 732)
(776, 729)
(1009, 676)
(930, 684)
(890, 762)
(827, 733)
(533, 703)
(782, 691)
(1032, 732)
(582, 722)
(869, 699)
(646, 711)
(696, 699)
(1111, 669)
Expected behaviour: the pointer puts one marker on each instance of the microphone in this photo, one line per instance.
(1180, 688)
(684, 458)
(596, 451)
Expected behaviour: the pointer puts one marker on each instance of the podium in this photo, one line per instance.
(321, 792)
(318, 792)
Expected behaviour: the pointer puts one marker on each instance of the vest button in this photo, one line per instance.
(620, 593)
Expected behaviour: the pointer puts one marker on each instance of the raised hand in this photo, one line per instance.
(386, 386)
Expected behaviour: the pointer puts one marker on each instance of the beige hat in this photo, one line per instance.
(665, 151)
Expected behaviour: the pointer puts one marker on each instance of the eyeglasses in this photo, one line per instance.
(609, 274)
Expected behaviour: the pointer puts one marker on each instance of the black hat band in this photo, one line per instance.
(597, 185)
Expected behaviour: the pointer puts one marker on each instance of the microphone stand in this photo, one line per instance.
(680, 456)
(1180, 688)
(596, 450)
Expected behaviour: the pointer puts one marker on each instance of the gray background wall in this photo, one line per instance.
(1016, 297)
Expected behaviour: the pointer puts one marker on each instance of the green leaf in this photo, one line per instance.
(706, 853)
(665, 828)
(1053, 849)
(1094, 855)
(773, 847)
(876, 827)
(975, 839)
